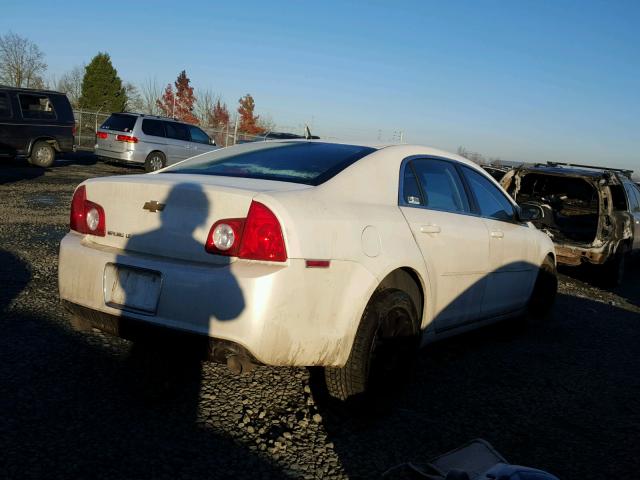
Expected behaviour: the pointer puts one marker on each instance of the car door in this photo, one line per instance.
(633, 194)
(178, 142)
(454, 243)
(511, 252)
(5, 119)
(200, 141)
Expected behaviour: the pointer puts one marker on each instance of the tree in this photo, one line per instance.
(248, 120)
(135, 103)
(71, 83)
(150, 93)
(21, 62)
(102, 88)
(179, 104)
(220, 115)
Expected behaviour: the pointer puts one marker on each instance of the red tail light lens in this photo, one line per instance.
(127, 138)
(258, 237)
(86, 217)
(102, 135)
(262, 238)
(74, 130)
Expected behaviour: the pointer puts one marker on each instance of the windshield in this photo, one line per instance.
(310, 163)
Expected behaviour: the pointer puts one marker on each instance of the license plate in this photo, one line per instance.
(132, 288)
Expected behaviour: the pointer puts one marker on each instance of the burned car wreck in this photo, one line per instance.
(590, 213)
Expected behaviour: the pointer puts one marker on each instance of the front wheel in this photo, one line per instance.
(42, 155)
(545, 289)
(383, 351)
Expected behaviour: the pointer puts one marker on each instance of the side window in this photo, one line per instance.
(410, 190)
(36, 106)
(634, 198)
(491, 201)
(153, 127)
(5, 107)
(198, 135)
(177, 131)
(441, 185)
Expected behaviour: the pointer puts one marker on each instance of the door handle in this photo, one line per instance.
(430, 228)
(497, 234)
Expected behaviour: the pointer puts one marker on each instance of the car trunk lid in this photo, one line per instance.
(170, 215)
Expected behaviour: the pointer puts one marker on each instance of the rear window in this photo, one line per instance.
(119, 122)
(310, 163)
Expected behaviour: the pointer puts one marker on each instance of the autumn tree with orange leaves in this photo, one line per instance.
(179, 103)
(219, 115)
(248, 120)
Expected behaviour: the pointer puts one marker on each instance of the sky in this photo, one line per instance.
(520, 80)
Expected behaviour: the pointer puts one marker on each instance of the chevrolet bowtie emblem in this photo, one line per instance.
(154, 206)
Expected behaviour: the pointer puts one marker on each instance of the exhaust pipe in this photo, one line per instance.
(239, 364)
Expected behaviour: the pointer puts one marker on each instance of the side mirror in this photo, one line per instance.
(529, 212)
(212, 142)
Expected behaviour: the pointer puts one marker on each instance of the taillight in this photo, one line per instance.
(127, 138)
(102, 135)
(224, 237)
(74, 130)
(258, 237)
(86, 217)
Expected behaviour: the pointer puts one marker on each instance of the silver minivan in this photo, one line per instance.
(152, 141)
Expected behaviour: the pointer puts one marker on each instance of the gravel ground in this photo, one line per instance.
(563, 395)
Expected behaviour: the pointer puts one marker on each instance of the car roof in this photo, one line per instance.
(153, 117)
(30, 90)
(567, 169)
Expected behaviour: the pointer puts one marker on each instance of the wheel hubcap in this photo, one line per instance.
(156, 163)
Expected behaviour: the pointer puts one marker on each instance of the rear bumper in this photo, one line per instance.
(130, 156)
(282, 315)
(576, 255)
(135, 330)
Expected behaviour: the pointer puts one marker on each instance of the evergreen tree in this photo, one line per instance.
(102, 89)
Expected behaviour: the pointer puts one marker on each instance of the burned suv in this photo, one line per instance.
(592, 214)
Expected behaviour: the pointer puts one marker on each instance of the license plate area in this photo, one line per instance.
(132, 288)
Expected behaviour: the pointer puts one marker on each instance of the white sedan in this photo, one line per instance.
(305, 253)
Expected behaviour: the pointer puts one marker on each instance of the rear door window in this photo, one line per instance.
(119, 122)
(440, 185)
(36, 107)
(198, 135)
(153, 127)
(177, 131)
(492, 203)
(5, 106)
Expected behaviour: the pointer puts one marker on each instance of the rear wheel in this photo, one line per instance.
(383, 351)
(155, 161)
(614, 269)
(42, 154)
(545, 289)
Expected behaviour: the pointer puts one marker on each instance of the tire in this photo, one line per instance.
(614, 270)
(42, 155)
(383, 351)
(155, 161)
(545, 289)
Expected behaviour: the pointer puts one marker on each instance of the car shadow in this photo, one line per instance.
(19, 169)
(14, 277)
(566, 397)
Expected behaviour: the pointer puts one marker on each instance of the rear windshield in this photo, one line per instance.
(310, 163)
(119, 122)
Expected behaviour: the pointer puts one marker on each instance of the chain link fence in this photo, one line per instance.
(87, 123)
